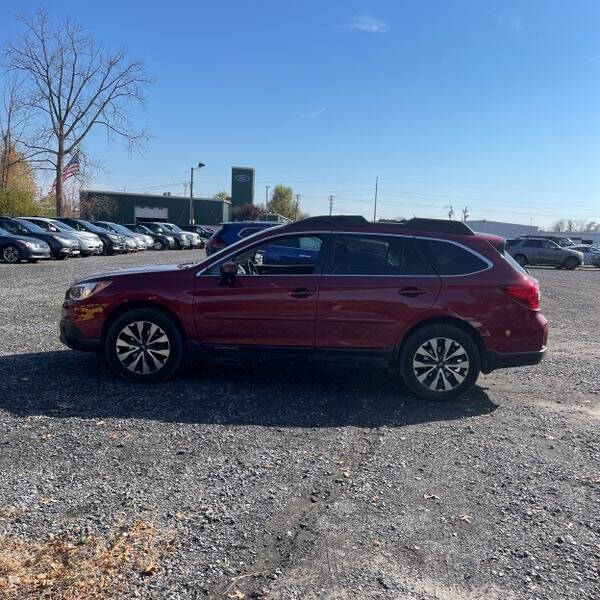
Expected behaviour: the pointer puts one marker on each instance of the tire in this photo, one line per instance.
(61, 257)
(427, 382)
(159, 245)
(11, 254)
(128, 333)
(521, 259)
(571, 263)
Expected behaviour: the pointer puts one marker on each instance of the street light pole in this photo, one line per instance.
(200, 165)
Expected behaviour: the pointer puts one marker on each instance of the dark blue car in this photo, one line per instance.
(234, 232)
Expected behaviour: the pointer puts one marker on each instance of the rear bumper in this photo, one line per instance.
(493, 360)
(72, 337)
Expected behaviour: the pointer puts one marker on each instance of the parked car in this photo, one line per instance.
(160, 241)
(562, 240)
(62, 245)
(429, 298)
(90, 243)
(229, 233)
(15, 248)
(182, 241)
(203, 232)
(540, 251)
(195, 240)
(134, 241)
(591, 254)
(112, 243)
(143, 237)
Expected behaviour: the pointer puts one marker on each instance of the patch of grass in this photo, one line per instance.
(67, 567)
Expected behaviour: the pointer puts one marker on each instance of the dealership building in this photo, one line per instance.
(127, 207)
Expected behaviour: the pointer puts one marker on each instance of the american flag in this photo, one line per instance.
(71, 169)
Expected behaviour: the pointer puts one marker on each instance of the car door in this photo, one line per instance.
(533, 251)
(551, 253)
(373, 288)
(271, 305)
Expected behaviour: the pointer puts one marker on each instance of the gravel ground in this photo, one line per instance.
(292, 481)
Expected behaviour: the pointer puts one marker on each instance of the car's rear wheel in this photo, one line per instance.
(144, 345)
(440, 362)
(571, 263)
(11, 254)
(521, 259)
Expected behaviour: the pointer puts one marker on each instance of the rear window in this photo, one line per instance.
(451, 259)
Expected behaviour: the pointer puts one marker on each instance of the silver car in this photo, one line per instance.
(540, 251)
(90, 243)
(133, 241)
(591, 253)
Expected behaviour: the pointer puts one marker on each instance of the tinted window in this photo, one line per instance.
(377, 255)
(249, 231)
(14, 227)
(549, 244)
(291, 255)
(451, 259)
(533, 244)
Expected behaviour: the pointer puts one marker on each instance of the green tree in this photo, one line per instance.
(282, 201)
(18, 203)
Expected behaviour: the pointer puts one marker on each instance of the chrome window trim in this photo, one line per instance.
(487, 261)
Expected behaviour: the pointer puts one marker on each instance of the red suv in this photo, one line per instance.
(429, 297)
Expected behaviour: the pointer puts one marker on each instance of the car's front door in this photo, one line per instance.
(268, 302)
(373, 287)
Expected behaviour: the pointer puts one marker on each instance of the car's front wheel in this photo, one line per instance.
(144, 345)
(440, 362)
(571, 263)
(11, 254)
(521, 259)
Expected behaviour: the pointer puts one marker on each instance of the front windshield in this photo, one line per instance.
(92, 227)
(62, 226)
(172, 227)
(143, 229)
(30, 226)
(3, 231)
(119, 228)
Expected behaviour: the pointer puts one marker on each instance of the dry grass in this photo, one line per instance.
(69, 568)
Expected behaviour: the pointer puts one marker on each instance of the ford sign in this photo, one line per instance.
(242, 178)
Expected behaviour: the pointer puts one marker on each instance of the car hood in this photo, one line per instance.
(150, 269)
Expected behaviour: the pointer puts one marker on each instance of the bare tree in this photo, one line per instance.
(73, 84)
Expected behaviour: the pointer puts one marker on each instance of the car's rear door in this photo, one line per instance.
(373, 287)
(271, 305)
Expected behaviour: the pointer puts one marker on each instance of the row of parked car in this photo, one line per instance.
(557, 251)
(35, 238)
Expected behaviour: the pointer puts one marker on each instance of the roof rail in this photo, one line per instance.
(438, 225)
(349, 220)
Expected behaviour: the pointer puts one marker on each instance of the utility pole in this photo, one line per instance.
(330, 205)
(375, 203)
(450, 212)
(191, 195)
(465, 212)
(267, 187)
(200, 165)
(296, 207)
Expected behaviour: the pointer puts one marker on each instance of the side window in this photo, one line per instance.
(548, 244)
(377, 255)
(533, 244)
(450, 259)
(289, 255)
(249, 231)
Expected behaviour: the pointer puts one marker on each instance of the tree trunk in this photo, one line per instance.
(60, 200)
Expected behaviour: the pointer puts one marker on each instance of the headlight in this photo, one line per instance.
(32, 245)
(81, 291)
(170, 238)
(113, 238)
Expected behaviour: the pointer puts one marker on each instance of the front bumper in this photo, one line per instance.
(493, 360)
(72, 337)
(35, 254)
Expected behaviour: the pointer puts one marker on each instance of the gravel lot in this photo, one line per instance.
(290, 481)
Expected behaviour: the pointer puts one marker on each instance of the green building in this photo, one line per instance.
(124, 207)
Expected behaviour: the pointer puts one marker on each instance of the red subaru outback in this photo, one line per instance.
(428, 297)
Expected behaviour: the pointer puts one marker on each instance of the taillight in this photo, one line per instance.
(527, 292)
(216, 243)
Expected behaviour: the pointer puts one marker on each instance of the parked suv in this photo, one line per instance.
(540, 251)
(562, 240)
(234, 232)
(430, 298)
(182, 241)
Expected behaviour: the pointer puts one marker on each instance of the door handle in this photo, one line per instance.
(411, 292)
(301, 293)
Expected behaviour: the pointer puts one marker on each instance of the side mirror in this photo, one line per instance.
(228, 272)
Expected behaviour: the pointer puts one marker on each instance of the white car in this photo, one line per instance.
(591, 253)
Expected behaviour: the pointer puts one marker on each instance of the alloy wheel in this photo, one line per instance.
(143, 347)
(10, 254)
(441, 364)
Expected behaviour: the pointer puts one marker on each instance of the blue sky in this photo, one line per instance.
(490, 105)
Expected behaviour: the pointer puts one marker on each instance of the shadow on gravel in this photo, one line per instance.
(65, 384)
